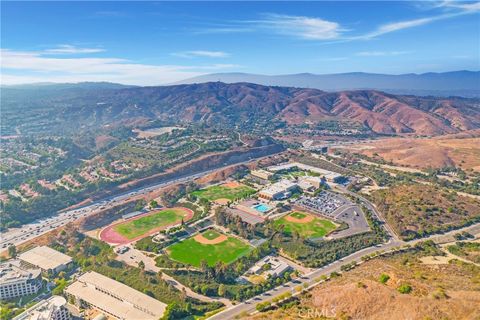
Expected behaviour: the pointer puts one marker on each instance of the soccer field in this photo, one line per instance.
(192, 252)
(307, 225)
(222, 192)
(137, 227)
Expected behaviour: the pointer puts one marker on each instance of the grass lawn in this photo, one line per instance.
(298, 215)
(211, 234)
(134, 228)
(313, 229)
(300, 173)
(220, 192)
(192, 252)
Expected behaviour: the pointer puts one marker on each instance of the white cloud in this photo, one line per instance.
(468, 6)
(381, 53)
(27, 67)
(303, 27)
(461, 9)
(395, 26)
(69, 49)
(313, 28)
(201, 53)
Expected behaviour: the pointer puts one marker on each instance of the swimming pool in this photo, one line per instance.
(261, 207)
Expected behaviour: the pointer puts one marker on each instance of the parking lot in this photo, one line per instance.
(339, 208)
(325, 203)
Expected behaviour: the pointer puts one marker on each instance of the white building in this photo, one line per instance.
(47, 259)
(93, 290)
(16, 281)
(262, 174)
(279, 190)
(276, 267)
(314, 181)
(54, 308)
(330, 176)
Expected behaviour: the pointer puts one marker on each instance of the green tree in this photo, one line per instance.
(153, 204)
(12, 251)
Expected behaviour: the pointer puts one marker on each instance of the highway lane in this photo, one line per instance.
(17, 236)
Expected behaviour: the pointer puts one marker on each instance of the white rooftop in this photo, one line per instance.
(43, 310)
(45, 257)
(121, 300)
(302, 166)
(11, 271)
(277, 266)
(278, 187)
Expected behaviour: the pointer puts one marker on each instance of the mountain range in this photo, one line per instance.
(234, 105)
(456, 83)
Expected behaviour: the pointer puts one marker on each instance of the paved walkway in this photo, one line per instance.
(133, 257)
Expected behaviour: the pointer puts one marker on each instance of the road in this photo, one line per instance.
(17, 236)
(249, 305)
(370, 206)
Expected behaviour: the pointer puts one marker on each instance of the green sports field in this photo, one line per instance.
(135, 228)
(192, 252)
(313, 229)
(221, 192)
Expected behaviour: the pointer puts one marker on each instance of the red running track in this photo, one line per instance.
(110, 236)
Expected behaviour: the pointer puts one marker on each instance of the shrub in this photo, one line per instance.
(404, 289)
(384, 278)
(263, 306)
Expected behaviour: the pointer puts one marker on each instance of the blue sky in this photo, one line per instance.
(151, 43)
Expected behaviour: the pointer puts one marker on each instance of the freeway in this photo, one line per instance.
(17, 236)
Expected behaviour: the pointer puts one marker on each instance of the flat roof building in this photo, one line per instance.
(276, 267)
(53, 308)
(330, 176)
(16, 281)
(314, 181)
(262, 174)
(93, 290)
(46, 259)
(279, 190)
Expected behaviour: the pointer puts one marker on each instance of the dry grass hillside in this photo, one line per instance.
(440, 291)
(452, 150)
(417, 210)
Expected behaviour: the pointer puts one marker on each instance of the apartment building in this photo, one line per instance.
(16, 281)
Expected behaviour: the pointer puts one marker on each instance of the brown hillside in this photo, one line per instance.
(448, 291)
(239, 104)
(418, 210)
(460, 150)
